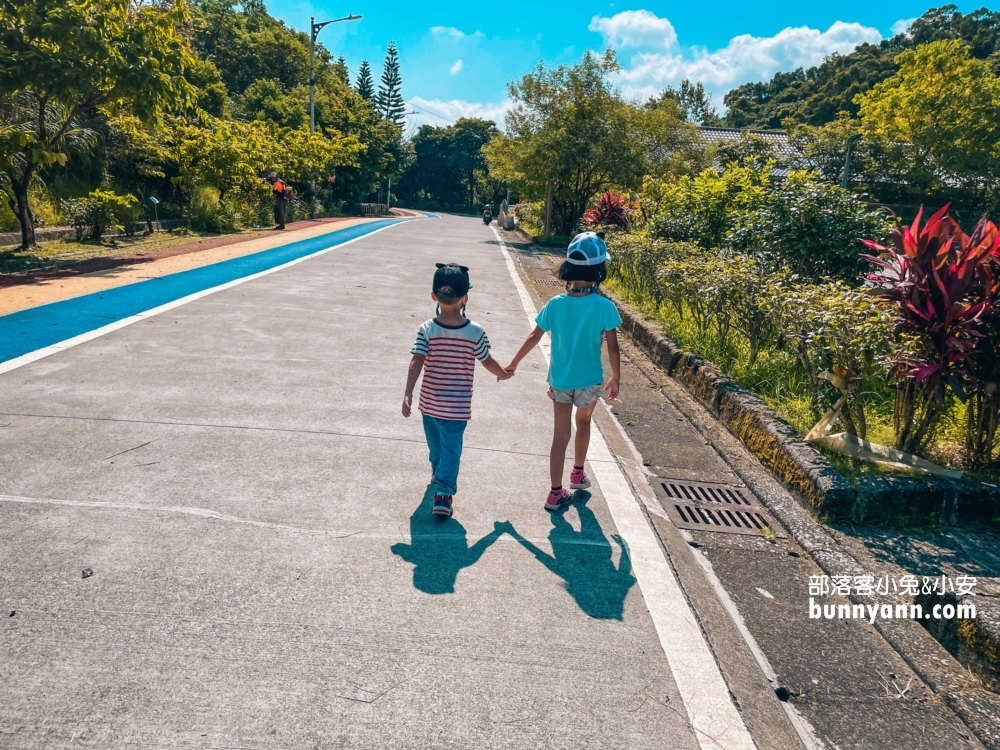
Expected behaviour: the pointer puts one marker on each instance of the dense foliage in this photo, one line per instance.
(808, 226)
(570, 131)
(186, 103)
(799, 223)
(736, 310)
(816, 96)
(449, 169)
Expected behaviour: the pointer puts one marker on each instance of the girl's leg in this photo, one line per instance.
(582, 442)
(563, 414)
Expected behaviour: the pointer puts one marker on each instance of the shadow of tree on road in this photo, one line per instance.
(439, 548)
(583, 560)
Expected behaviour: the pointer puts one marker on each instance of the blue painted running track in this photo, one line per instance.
(29, 330)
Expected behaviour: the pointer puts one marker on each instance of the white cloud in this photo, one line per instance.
(457, 67)
(902, 26)
(661, 61)
(635, 28)
(454, 33)
(441, 112)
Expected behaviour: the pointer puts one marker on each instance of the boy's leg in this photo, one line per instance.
(432, 432)
(563, 414)
(452, 432)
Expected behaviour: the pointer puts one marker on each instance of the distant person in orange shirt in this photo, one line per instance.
(281, 192)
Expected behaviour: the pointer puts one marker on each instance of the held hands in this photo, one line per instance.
(407, 400)
(506, 373)
(611, 388)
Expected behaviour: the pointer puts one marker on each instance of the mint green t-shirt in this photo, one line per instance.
(577, 326)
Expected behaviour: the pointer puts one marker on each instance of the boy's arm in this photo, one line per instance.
(529, 343)
(494, 367)
(416, 365)
(614, 354)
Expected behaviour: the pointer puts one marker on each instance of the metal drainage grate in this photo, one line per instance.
(707, 506)
(550, 282)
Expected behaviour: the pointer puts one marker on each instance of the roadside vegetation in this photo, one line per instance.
(753, 259)
(190, 103)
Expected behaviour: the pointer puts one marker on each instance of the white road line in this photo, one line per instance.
(710, 709)
(25, 359)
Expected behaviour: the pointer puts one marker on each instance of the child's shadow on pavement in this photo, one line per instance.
(439, 548)
(583, 560)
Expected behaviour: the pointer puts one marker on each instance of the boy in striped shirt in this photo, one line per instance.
(446, 350)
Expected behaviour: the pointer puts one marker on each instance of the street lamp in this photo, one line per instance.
(314, 29)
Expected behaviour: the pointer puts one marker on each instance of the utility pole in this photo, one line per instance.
(548, 209)
(314, 29)
(846, 179)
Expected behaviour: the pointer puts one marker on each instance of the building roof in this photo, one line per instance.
(783, 147)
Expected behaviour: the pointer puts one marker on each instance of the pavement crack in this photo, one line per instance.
(129, 450)
(372, 700)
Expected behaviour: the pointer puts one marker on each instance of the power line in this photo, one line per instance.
(434, 114)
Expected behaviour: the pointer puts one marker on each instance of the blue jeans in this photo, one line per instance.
(444, 439)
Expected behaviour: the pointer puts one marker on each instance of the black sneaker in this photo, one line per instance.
(442, 506)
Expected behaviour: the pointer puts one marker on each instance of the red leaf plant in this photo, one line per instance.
(938, 278)
(612, 210)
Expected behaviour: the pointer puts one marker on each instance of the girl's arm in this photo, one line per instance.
(529, 343)
(494, 367)
(416, 365)
(614, 354)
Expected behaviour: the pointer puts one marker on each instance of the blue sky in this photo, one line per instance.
(456, 58)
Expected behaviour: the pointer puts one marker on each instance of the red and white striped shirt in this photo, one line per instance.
(450, 361)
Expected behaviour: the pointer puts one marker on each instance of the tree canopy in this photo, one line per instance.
(173, 100)
(570, 127)
(60, 63)
(449, 168)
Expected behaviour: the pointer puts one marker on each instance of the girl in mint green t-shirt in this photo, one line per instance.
(578, 321)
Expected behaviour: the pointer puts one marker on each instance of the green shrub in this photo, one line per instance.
(702, 209)
(531, 216)
(100, 211)
(45, 209)
(636, 262)
(207, 213)
(724, 292)
(810, 227)
(841, 336)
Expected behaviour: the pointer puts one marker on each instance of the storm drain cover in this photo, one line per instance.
(707, 506)
(550, 282)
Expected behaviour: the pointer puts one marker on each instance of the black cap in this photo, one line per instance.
(451, 280)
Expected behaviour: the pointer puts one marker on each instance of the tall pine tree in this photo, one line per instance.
(340, 69)
(365, 85)
(389, 100)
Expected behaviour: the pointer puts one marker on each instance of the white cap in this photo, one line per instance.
(589, 250)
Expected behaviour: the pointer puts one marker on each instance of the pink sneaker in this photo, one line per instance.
(578, 479)
(558, 499)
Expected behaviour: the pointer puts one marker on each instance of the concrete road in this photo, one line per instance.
(266, 573)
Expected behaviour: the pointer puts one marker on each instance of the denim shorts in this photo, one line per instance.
(581, 398)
